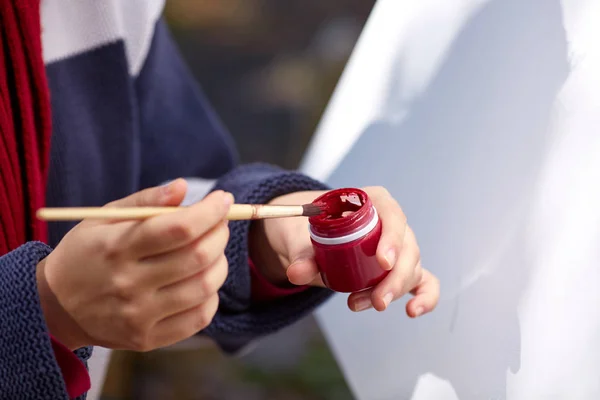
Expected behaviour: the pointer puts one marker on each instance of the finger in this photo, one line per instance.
(360, 301)
(427, 295)
(304, 271)
(181, 326)
(191, 292)
(405, 275)
(167, 268)
(171, 194)
(168, 232)
(393, 223)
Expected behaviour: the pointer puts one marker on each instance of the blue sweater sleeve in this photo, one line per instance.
(238, 320)
(181, 136)
(28, 368)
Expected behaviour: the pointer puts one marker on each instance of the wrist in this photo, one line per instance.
(266, 261)
(60, 324)
(264, 291)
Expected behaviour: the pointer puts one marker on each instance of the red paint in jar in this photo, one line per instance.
(345, 240)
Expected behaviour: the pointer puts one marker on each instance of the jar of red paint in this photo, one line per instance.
(345, 240)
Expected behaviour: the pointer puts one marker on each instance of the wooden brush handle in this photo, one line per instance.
(236, 212)
(261, 211)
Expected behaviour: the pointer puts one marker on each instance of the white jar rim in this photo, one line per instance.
(346, 238)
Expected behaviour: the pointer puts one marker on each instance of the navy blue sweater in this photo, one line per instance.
(117, 130)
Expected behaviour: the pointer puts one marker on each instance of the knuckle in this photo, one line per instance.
(214, 278)
(144, 197)
(205, 315)
(202, 254)
(180, 232)
(202, 321)
(124, 286)
(132, 316)
(110, 248)
(206, 284)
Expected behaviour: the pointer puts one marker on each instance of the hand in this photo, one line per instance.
(281, 249)
(138, 285)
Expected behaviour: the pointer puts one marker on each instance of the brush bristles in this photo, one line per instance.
(311, 210)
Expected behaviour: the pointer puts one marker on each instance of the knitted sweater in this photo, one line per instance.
(127, 115)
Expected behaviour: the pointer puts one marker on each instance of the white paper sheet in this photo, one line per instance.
(483, 120)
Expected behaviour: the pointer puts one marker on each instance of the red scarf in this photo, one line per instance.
(25, 124)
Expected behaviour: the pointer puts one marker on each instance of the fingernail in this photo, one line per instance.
(390, 257)
(387, 299)
(362, 303)
(419, 311)
(228, 199)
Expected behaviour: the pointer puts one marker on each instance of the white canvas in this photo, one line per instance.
(483, 120)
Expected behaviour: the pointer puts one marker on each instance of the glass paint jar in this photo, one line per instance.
(345, 240)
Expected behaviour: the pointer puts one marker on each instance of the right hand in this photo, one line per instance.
(138, 285)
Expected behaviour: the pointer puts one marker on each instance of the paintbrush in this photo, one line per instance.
(236, 212)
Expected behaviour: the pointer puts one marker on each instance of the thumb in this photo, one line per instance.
(171, 194)
(303, 270)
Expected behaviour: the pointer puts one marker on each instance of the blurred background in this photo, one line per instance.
(269, 68)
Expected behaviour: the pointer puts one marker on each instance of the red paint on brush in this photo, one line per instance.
(345, 239)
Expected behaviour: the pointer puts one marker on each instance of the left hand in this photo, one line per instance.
(282, 251)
